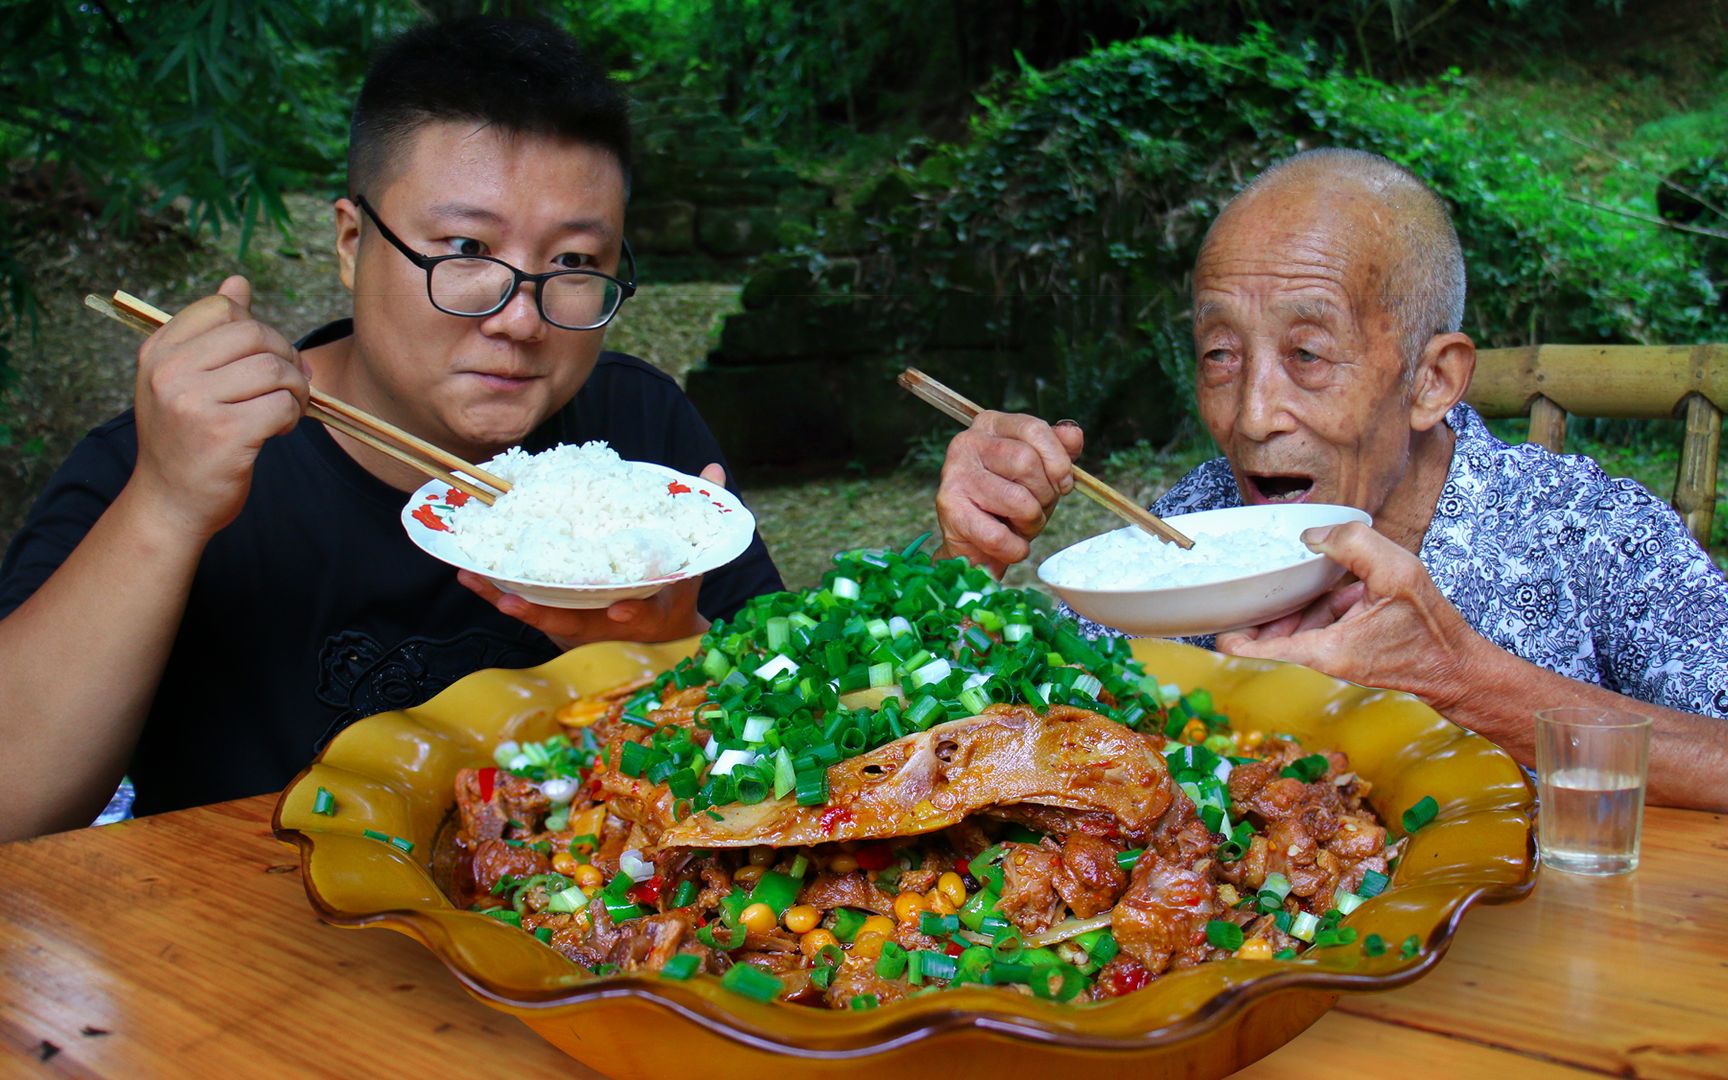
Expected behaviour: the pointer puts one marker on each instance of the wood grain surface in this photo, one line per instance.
(182, 945)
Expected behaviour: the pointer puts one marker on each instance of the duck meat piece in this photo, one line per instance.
(856, 977)
(1181, 837)
(853, 890)
(1163, 915)
(506, 798)
(648, 942)
(1007, 755)
(1029, 897)
(1061, 824)
(1088, 879)
(1292, 850)
(494, 858)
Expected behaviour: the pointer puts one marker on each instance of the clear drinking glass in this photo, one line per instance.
(1590, 772)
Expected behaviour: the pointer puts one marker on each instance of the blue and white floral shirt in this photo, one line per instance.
(1556, 562)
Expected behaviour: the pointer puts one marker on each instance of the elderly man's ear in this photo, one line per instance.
(1442, 376)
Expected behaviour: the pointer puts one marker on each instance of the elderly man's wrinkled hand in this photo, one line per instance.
(1390, 628)
(1000, 481)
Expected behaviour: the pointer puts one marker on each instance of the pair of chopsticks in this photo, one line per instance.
(338, 415)
(959, 408)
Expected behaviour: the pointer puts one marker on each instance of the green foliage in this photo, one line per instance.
(1083, 194)
(222, 103)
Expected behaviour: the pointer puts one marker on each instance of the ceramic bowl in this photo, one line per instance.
(1245, 599)
(424, 519)
(393, 773)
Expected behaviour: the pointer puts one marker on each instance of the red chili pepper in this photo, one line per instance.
(1126, 976)
(647, 892)
(455, 497)
(872, 857)
(962, 868)
(952, 949)
(487, 778)
(675, 488)
(424, 515)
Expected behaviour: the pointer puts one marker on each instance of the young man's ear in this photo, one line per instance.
(1442, 376)
(347, 240)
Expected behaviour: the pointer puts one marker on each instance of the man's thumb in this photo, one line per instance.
(239, 290)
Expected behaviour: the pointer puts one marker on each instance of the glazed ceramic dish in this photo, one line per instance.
(1244, 599)
(734, 526)
(393, 773)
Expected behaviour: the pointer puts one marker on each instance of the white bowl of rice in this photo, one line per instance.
(581, 527)
(1248, 566)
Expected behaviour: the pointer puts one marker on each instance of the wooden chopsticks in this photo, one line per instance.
(338, 415)
(959, 408)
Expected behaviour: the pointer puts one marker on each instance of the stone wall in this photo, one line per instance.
(706, 201)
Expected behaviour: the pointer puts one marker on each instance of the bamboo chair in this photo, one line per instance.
(1641, 382)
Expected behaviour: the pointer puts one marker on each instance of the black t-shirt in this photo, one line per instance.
(314, 609)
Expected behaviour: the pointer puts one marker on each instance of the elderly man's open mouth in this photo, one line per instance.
(1271, 488)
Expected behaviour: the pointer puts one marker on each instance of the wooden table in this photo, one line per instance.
(183, 945)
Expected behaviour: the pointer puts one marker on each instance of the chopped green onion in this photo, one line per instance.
(977, 906)
(1306, 769)
(926, 964)
(1373, 884)
(1304, 926)
(864, 1001)
(707, 936)
(1001, 973)
(752, 982)
(1284, 954)
(544, 934)
(1374, 945)
(1421, 813)
(1224, 935)
(777, 890)
(982, 860)
(1412, 945)
(680, 967)
(812, 787)
(1346, 902)
(685, 895)
(566, 901)
(324, 804)
(891, 963)
(374, 834)
(406, 845)
(505, 915)
(1058, 981)
(847, 923)
(1127, 860)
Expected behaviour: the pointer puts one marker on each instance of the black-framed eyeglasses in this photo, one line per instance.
(475, 286)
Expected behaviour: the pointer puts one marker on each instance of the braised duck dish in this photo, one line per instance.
(908, 779)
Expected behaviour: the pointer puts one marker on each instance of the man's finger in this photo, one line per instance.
(237, 289)
(1054, 460)
(1357, 548)
(714, 474)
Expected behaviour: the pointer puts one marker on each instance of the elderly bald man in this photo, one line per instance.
(1497, 580)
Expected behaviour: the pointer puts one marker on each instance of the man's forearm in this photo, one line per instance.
(79, 665)
(1688, 752)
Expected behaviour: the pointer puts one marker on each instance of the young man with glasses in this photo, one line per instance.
(213, 585)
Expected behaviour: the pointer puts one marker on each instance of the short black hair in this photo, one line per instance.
(520, 75)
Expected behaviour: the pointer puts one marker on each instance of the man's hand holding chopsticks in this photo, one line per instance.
(212, 385)
(1000, 480)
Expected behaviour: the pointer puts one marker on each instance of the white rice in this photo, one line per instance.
(581, 515)
(1130, 559)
